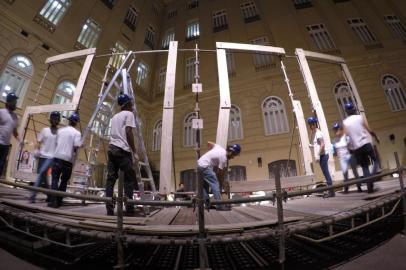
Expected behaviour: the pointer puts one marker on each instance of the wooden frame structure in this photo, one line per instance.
(72, 106)
(302, 58)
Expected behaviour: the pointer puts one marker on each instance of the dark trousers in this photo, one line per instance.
(61, 170)
(326, 173)
(118, 159)
(363, 155)
(4, 149)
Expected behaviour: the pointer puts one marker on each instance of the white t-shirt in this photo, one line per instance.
(341, 147)
(216, 157)
(67, 138)
(119, 122)
(8, 122)
(318, 136)
(354, 127)
(48, 143)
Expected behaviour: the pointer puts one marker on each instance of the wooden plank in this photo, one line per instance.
(233, 217)
(214, 217)
(186, 216)
(70, 55)
(250, 47)
(304, 137)
(256, 213)
(165, 178)
(165, 216)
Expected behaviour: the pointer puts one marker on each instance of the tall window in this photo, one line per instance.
(394, 92)
(169, 36)
(192, 30)
(362, 31)
(219, 20)
(189, 133)
(321, 37)
(52, 12)
(131, 17)
(190, 71)
(235, 124)
(249, 12)
(230, 63)
(302, 3)
(274, 115)
(156, 136)
(102, 123)
(142, 74)
(287, 168)
(150, 36)
(397, 26)
(189, 179)
(64, 94)
(343, 95)
(118, 59)
(172, 13)
(193, 4)
(161, 79)
(261, 60)
(237, 173)
(89, 34)
(16, 77)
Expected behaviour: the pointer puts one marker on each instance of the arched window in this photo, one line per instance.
(394, 92)
(64, 94)
(274, 114)
(16, 77)
(235, 124)
(156, 136)
(189, 134)
(286, 168)
(343, 95)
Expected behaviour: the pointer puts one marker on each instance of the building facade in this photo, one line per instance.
(370, 35)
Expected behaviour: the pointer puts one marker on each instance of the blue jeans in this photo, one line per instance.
(326, 173)
(345, 163)
(44, 165)
(209, 180)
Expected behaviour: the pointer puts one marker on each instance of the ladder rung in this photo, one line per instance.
(111, 96)
(147, 179)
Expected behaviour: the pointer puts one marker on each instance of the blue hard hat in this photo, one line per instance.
(11, 97)
(311, 120)
(235, 148)
(123, 99)
(74, 117)
(349, 106)
(336, 126)
(55, 115)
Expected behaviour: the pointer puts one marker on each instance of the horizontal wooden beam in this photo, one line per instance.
(250, 47)
(70, 55)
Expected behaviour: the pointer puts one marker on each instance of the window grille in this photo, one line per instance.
(274, 116)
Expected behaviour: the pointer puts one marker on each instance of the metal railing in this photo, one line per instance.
(281, 231)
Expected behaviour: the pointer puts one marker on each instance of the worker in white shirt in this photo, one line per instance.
(8, 127)
(215, 159)
(45, 151)
(357, 128)
(341, 151)
(122, 153)
(320, 152)
(67, 142)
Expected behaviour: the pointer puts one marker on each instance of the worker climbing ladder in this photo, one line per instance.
(100, 121)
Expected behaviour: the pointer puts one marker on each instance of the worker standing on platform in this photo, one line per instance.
(320, 152)
(215, 159)
(68, 140)
(8, 126)
(341, 150)
(358, 130)
(45, 152)
(122, 153)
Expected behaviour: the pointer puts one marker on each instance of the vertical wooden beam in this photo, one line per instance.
(165, 178)
(82, 79)
(354, 89)
(225, 101)
(314, 97)
(304, 137)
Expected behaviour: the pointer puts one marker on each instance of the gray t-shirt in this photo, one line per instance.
(8, 122)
